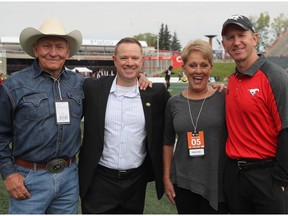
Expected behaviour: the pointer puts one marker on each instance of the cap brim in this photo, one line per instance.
(235, 23)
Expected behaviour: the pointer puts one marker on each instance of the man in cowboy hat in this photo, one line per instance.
(41, 109)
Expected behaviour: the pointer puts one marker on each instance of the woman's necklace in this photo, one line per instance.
(191, 117)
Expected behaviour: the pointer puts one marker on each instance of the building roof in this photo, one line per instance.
(278, 52)
(86, 42)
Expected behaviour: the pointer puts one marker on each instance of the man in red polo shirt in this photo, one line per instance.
(257, 119)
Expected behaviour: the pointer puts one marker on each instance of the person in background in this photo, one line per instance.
(1, 78)
(180, 76)
(168, 74)
(123, 131)
(40, 114)
(256, 175)
(193, 166)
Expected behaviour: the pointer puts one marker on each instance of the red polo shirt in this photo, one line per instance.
(256, 111)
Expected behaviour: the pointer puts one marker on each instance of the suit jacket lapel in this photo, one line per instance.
(103, 99)
(147, 107)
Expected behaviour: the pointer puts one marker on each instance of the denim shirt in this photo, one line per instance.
(28, 127)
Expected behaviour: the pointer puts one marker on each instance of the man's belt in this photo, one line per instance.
(248, 164)
(54, 166)
(119, 174)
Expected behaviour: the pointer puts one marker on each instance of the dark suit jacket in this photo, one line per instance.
(96, 95)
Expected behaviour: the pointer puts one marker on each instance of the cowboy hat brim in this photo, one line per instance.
(29, 37)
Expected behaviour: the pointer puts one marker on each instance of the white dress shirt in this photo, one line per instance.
(124, 135)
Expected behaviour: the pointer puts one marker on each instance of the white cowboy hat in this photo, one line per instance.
(50, 27)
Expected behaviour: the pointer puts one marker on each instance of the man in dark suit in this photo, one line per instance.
(123, 130)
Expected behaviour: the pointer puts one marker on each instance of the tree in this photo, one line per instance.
(175, 44)
(280, 24)
(161, 37)
(164, 38)
(268, 33)
(167, 39)
(261, 26)
(150, 38)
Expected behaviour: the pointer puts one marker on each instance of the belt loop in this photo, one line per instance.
(34, 166)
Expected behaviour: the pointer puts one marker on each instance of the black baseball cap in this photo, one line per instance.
(239, 20)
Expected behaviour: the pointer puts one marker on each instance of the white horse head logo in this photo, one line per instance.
(253, 91)
(236, 17)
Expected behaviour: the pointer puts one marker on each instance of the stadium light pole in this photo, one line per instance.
(210, 39)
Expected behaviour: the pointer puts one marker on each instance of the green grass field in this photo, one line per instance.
(220, 70)
(152, 205)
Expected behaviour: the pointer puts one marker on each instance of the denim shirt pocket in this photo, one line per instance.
(76, 103)
(36, 106)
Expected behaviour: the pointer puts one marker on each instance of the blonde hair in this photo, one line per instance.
(198, 45)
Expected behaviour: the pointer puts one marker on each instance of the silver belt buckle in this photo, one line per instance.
(241, 164)
(56, 165)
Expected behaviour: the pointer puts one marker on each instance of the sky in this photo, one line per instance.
(113, 20)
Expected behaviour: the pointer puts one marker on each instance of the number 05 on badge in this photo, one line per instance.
(196, 143)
